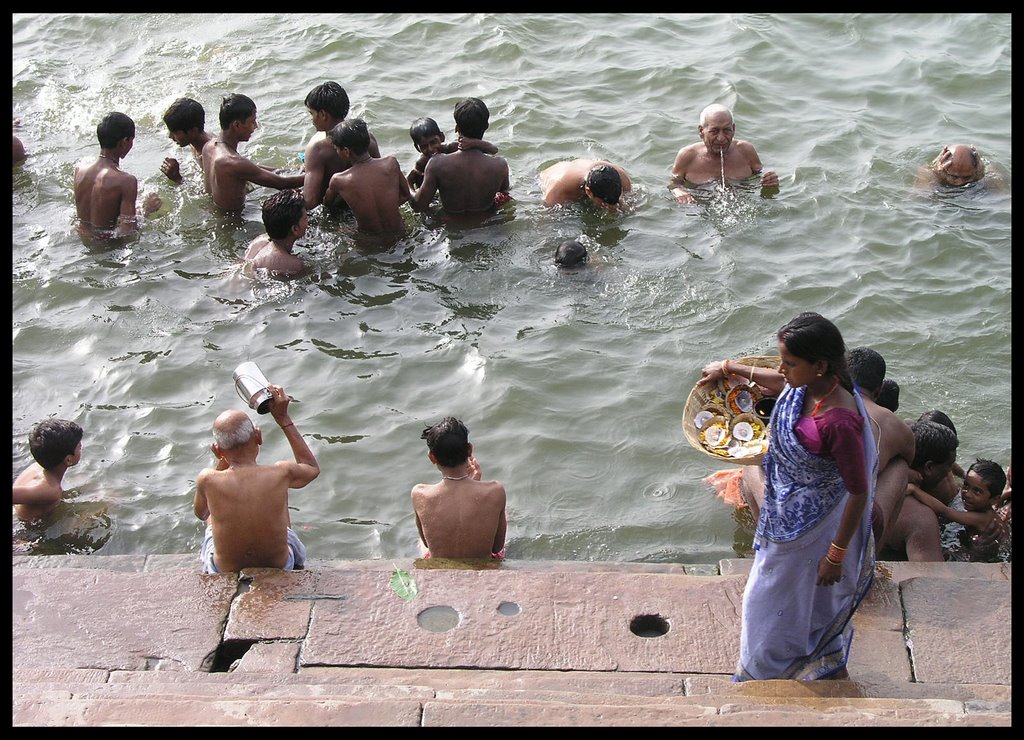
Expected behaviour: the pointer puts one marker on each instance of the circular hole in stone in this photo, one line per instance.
(648, 625)
(438, 618)
(508, 608)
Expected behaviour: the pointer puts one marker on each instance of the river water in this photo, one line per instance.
(572, 384)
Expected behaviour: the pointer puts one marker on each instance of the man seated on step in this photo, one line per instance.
(245, 504)
(460, 516)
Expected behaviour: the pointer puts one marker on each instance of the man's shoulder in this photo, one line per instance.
(218, 152)
(320, 148)
(340, 179)
(256, 246)
(494, 487)
(491, 161)
(742, 145)
(559, 168)
(206, 474)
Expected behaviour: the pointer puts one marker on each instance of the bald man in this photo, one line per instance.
(957, 165)
(704, 161)
(245, 504)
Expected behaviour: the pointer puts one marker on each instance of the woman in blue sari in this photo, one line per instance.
(814, 555)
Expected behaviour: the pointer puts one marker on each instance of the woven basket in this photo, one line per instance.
(702, 396)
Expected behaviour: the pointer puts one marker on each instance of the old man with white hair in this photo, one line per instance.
(245, 504)
(717, 156)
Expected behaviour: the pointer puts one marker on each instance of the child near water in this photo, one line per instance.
(428, 139)
(983, 485)
(285, 218)
(56, 445)
(460, 516)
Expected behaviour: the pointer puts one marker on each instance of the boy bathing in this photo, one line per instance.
(461, 516)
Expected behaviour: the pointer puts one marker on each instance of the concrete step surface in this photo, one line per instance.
(148, 641)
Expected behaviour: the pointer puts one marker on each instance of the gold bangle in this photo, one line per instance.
(833, 544)
(833, 561)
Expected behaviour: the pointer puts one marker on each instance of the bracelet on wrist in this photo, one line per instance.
(833, 562)
(725, 366)
(289, 424)
(751, 373)
(833, 544)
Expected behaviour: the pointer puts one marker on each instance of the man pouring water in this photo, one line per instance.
(717, 156)
(245, 504)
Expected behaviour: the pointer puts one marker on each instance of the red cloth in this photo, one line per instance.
(727, 486)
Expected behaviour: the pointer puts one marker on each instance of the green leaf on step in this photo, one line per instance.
(403, 584)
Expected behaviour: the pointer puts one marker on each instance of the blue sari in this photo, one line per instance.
(793, 628)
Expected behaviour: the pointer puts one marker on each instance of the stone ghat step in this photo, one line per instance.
(447, 683)
(82, 697)
(359, 692)
(56, 709)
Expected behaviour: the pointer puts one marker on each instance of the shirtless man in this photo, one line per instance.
(245, 504)
(957, 165)
(56, 445)
(469, 181)
(373, 188)
(328, 105)
(461, 516)
(916, 531)
(104, 193)
(428, 139)
(595, 180)
(894, 440)
(284, 217)
(701, 162)
(186, 126)
(225, 171)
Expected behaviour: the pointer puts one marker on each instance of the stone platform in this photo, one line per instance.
(150, 641)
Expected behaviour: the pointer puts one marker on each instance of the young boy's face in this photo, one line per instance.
(975, 493)
(178, 137)
(320, 119)
(345, 154)
(303, 223)
(429, 145)
(246, 128)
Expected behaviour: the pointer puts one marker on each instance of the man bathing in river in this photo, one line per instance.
(225, 171)
(469, 181)
(717, 156)
(104, 193)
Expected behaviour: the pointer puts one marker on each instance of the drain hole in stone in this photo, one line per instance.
(508, 608)
(229, 653)
(438, 618)
(648, 625)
